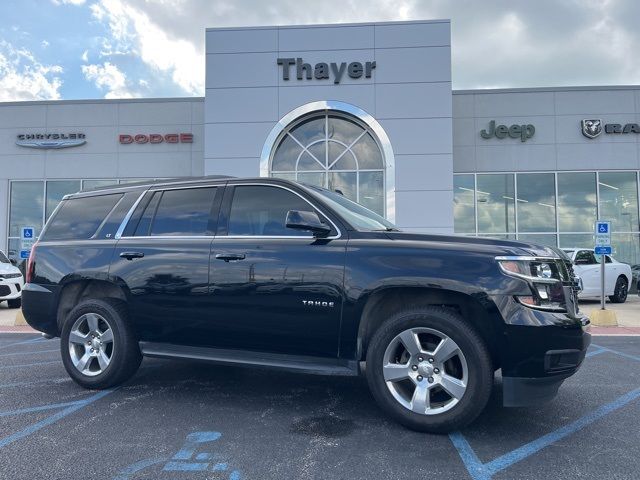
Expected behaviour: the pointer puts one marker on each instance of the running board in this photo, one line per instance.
(291, 363)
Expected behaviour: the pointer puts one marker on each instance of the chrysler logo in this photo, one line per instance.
(591, 128)
(50, 140)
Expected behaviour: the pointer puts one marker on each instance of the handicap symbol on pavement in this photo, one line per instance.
(184, 460)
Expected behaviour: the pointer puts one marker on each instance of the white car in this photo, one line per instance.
(587, 266)
(11, 282)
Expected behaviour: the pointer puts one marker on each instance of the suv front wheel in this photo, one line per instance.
(99, 349)
(429, 370)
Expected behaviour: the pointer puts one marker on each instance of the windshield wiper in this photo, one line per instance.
(386, 229)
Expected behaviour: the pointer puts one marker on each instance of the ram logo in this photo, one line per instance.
(591, 128)
(317, 303)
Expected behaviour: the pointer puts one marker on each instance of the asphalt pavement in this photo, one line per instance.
(187, 420)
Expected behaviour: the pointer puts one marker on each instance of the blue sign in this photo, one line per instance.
(24, 254)
(27, 232)
(602, 250)
(602, 227)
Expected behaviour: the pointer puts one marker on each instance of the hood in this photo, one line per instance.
(8, 268)
(487, 246)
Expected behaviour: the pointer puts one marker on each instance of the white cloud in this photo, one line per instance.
(22, 77)
(44, 44)
(134, 32)
(85, 56)
(108, 77)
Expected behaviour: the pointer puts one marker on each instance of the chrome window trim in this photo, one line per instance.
(258, 184)
(127, 217)
(364, 117)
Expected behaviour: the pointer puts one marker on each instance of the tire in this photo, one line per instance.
(471, 366)
(14, 303)
(87, 327)
(621, 291)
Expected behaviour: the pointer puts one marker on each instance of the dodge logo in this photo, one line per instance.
(591, 128)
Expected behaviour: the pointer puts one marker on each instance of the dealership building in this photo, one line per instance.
(367, 109)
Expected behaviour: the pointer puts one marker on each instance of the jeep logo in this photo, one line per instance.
(316, 303)
(523, 132)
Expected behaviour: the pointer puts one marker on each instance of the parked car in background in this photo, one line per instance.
(586, 265)
(11, 282)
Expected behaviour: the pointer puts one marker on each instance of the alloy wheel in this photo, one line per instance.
(91, 344)
(425, 371)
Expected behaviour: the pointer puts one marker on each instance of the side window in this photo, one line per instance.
(183, 212)
(585, 257)
(79, 218)
(142, 230)
(262, 211)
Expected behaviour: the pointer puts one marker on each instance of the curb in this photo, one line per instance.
(613, 331)
(20, 320)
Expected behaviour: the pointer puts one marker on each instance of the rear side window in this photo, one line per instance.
(79, 218)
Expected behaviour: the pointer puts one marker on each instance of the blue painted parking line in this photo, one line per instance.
(485, 471)
(41, 408)
(24, 342)
(52, 418)
(30, 364)
(29, 353)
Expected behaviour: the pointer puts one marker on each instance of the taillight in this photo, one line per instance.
(31, 263)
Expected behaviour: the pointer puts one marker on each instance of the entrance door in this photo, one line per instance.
(275, 289)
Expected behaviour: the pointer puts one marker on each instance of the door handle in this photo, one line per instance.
(227, 257)
(131, 255)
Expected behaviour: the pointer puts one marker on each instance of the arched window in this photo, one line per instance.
(335, 150)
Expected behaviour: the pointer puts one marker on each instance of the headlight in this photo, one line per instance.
(545, 276)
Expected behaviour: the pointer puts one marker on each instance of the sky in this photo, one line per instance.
(75, 49)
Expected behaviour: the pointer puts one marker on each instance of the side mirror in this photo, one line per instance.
(310, 221)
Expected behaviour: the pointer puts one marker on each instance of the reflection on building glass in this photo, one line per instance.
(333, 151)
(495, 199)
(577, 209)
(536, 202)
(582, 197)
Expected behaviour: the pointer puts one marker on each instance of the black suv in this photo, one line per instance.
(273, 273)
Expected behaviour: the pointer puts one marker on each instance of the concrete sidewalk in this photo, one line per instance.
(628, 313)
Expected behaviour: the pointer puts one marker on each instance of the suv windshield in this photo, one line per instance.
(358, 216)
(3, 258)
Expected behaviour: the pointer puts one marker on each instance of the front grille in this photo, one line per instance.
(4, 290)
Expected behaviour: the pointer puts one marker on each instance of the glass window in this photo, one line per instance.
(585, 257)
(626, 247)
(58, 189)
(619, 200)
(463, 204)
(144, 224)
(262, 210)
(334, 151)
(536, 202)
(577, 210)
(542, 239)
(496, 204)
(3, 258)
(580, 240)
(91, 184)
(184, 212)
(79, 218)
(27, 204)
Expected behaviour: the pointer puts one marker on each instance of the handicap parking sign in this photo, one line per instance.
(24, 254)
(603, 227)
(27, 232)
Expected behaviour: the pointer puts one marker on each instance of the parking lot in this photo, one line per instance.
(186, 420)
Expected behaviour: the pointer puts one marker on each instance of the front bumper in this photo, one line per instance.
(539, 351)
(10, 288)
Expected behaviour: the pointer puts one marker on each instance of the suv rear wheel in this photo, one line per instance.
(98, 346)
(429, 370)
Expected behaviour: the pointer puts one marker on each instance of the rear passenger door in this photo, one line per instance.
(163, 259)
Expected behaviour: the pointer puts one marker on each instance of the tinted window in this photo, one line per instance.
(258, 210)
(79, 218)
(184, 212)
(585, 257)
(3, 258)
(145, 220)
